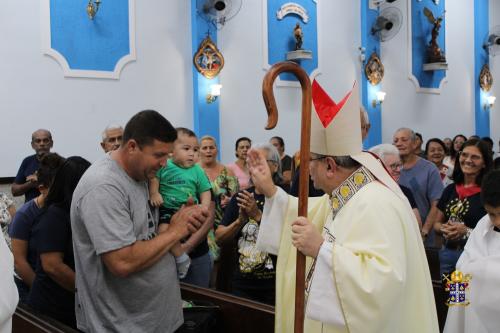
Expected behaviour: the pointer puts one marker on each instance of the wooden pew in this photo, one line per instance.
(25, 320)
(236, 314)
(437, 286)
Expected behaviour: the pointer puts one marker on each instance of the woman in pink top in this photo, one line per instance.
(239, 168)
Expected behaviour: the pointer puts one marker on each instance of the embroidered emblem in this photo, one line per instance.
(335, 203)
(457, 287)
(345, 191)
(457, 209)
(338, 199)
(359, 178)
(348, 188)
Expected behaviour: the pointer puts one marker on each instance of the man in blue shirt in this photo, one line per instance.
(421, 177)
(26, 179)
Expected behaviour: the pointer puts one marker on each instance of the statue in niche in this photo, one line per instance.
(434, 52)
(297, 33)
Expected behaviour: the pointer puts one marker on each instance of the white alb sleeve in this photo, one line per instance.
(323, 303)
(271, 224)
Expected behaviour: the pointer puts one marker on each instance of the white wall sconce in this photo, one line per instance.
(490, 101)
(92, 8)
(214, 93)
(379, 98)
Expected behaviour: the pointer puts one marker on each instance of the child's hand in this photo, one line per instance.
(156, 200)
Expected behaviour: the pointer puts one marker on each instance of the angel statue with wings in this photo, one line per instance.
(434, 51)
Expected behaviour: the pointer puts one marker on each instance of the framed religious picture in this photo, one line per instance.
(208, 60)
(485, 78)
(374, 69)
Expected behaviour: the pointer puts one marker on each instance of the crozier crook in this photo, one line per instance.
(305, 138)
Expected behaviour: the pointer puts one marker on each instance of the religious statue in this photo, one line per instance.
(434, 51)
(297, 33)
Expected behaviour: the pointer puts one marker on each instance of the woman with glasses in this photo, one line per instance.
(435, 151)
(460, 207)
(254, 272)
(389, 155)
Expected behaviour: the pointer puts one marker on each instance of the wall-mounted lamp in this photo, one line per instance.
(490, 101)
(92, 8)
(379, 98)
(214, 93)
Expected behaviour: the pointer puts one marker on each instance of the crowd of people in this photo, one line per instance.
(160, 208)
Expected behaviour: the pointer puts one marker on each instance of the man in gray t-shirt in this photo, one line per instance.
(126, 279)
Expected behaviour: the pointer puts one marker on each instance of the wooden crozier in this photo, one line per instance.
(305, 138)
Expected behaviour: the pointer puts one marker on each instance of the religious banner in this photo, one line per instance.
(291, 33)
(97, 47)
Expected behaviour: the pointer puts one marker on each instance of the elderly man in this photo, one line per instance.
(117, 246)
(111, 138)
(369, 270)
(421, 177)
(26, 180)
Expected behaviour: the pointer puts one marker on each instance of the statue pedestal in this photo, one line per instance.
(436, 66)
(299, 54)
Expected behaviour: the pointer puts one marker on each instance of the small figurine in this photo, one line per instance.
(434, 52)
(297, 33)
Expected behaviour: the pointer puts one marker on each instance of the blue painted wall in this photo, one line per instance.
(368, 91)
(481, 27)
(421, 35)
(205, 115)
(280, 39)
(86, 44)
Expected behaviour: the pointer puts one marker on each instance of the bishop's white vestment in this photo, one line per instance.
(371, 274)
(480, 259)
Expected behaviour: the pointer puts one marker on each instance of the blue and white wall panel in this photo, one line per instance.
(419, 36)
(97, 48)
(278, 36)
(494, 20)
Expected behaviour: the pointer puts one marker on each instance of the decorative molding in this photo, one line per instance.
(411, 75)
(47, 49)
(265, 49)
(292, 8)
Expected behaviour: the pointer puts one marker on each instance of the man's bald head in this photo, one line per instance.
(41, 141)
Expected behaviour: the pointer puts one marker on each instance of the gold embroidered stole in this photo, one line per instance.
(338, 199)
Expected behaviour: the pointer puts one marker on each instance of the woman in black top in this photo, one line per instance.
(253, 275)
(53, 289)
(460, 208)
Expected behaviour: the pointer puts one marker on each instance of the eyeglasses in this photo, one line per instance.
(395, 166)
(474, 158)
(316, 158)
